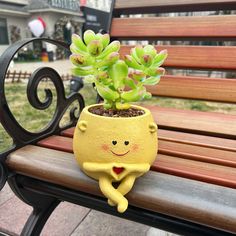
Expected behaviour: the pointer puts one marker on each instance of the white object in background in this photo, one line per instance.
(37, 26)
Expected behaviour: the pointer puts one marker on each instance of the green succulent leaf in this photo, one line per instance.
(109, 60)
(122, 106)
(160, 58)
(149, 49)
(131, 62)
(78, 42)
(82, 72)
(151, 80)
(76, 50)
(147, 95)
(95, 47)
(80, 60)
(106, 92)
(133, 95)
(112, 47)
(154, 71)
(107, 104)
(105, 38)
(134, 55)
(130, 83)
(118, 72)
(146, 60)
(137, 75)
(139, 51)
(89, 36)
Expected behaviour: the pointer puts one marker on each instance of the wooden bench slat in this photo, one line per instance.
(207, 123)
(171, 195)
(208, 173)
(186, 138)
(172, 148)
(197, 140)
(205, 172)
(178, 28)
(196, 57)
(211, 89)
(57, 143)
(157, 6)
(204, 154)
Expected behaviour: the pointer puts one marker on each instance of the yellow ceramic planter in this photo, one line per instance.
(115, 149)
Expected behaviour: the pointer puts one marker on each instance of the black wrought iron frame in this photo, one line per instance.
(19, 134)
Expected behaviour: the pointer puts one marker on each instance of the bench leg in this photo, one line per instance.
(38, 218)
(43, 205)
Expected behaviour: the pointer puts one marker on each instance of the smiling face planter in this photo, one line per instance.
(115, 149)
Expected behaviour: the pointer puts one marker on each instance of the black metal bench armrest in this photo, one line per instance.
(21, 136)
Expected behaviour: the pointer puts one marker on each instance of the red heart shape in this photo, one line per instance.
(118, 170)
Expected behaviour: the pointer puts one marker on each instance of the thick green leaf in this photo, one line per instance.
(133, 95)
(81, 72)
(122, 106)
(118, 73)
(107, 93)
(151, 80)
(130, 83)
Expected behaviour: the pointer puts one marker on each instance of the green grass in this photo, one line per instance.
(34, 120)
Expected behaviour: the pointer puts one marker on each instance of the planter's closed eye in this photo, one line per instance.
(126, 142)
(114, 142)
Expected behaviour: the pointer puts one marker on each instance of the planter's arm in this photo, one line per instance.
(19, 134)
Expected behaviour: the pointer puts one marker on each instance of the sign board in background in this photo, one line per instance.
(95, 19)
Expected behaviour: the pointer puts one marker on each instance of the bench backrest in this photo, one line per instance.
(210, 28)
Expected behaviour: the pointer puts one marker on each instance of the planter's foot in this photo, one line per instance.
(122, 205)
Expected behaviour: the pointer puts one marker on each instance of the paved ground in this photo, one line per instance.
(67, 219)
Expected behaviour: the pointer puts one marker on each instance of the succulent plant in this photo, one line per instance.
(118, 82)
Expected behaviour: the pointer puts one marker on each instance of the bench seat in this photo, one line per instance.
(202, 203)
(193, 177)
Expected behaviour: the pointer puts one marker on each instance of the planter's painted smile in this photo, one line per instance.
(119, 155)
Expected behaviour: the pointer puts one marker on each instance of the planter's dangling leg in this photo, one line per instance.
(113, 194)
(43, 205)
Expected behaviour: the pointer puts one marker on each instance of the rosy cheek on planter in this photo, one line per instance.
(135, 147)
(105, 147)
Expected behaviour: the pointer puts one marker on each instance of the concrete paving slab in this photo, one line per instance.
(101, 224)
(6, 194)
(157, 232)
(64, 219)
(13, 215)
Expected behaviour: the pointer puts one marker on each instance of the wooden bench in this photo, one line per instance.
(191, 189)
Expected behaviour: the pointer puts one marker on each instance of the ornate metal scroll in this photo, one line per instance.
(21, 136)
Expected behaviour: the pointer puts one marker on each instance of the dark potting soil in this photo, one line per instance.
(101, 111)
